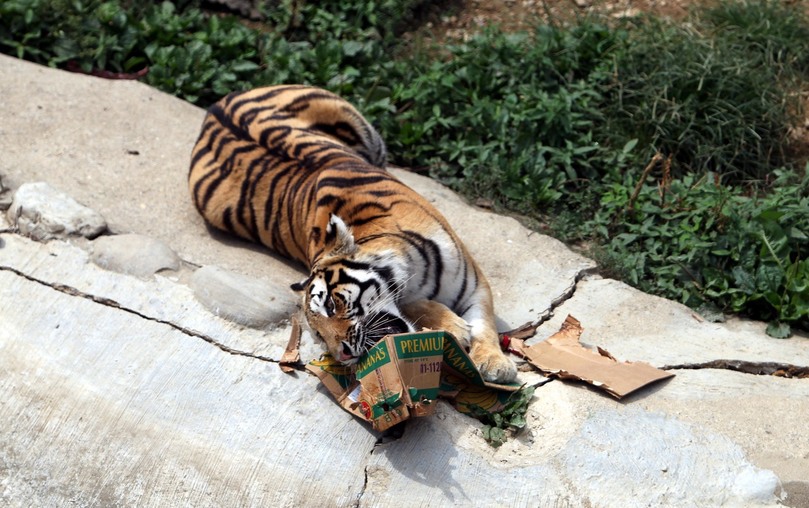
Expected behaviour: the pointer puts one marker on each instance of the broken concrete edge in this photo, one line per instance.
(259, 322)
(68, 290)
(566, 295)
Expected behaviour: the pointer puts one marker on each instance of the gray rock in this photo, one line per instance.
(132, 254)
(43, 213)
(5, 195)
(245, 300)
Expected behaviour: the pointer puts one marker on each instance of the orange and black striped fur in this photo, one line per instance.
(299, 170)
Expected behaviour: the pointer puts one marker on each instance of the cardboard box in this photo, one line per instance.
(395, 379)
(403, 375)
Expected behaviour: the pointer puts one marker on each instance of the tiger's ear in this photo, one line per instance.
(300, 286)
(339, 239)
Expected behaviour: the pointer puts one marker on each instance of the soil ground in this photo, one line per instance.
(459, 18)
(464, 17)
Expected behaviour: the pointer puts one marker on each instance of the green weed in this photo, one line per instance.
(706, 243)
(513, 117)
(511, 419)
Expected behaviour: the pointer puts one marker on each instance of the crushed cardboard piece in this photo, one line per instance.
(291, 355)
(403, 375)
(395, 379)
(524, 331)
(512, 341)
(563, 356)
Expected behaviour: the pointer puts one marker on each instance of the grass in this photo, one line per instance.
(559, 123)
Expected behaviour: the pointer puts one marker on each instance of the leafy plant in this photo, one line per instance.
(767, 30)
(509, 116)
(510, 419)
(702, 242)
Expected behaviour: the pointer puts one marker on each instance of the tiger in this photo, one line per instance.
(298, 169)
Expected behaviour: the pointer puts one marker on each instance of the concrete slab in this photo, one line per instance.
(119, 390)
(104, 408)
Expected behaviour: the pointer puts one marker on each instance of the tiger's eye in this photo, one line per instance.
(329, 304)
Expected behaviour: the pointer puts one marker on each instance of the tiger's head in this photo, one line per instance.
(350, 297)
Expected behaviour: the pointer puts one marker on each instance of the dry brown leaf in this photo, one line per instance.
(291, 355)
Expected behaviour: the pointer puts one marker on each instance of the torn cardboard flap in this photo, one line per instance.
(562, 355)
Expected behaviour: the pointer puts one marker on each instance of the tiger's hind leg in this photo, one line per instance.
(437, 316)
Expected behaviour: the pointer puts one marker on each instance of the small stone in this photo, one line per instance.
(42, 213)
(5, 200)
(242, 299)
(629, 12)
(5, 195)
(138, 255)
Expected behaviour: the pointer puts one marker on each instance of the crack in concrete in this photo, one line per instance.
(566, 295)
(69, 290)
(777, 369)
(364, 486)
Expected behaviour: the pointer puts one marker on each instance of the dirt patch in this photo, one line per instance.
(458, 20)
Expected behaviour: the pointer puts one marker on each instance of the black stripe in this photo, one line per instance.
(204, 149)
(343, 131)
(227, 223)
(272, 193)
(383, 193)
(227, 121)
(431, 254)
(334, 203)
(200, 153)
(351, 217)
(341, 182)
(246, 98)
(464, 310)
(224, 171)
(301, 102)
(282, 197)
(366, 220)
(279, 133)
(246, 213)
(293, 200)
(460, 296)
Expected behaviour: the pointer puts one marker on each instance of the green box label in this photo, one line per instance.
(418, 345)
(376, 357)
(457, 359)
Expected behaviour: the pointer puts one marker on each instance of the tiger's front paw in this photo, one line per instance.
(493, 364)
(459, 329)
(436, 316)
